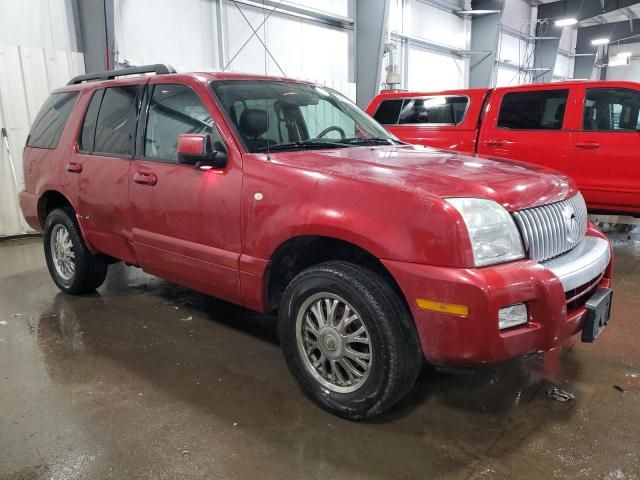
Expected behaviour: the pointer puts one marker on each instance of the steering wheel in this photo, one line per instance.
(332, 129)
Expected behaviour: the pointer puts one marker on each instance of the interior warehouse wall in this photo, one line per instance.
(629, 72)
(211, 35)
(515, 49)
(422, 67)
(37, 54)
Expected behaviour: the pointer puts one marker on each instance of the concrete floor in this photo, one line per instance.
(149, 380)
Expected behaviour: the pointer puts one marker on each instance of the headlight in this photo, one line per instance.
(493, 233)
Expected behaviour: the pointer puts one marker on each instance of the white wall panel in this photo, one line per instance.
(27, 75)
(337, 7)
(513, 50)
(431, 23)
(515, 13)
(37, 24)
(182, 33)
(507, 77)
(303, 49)
(629, 72)
(431, 71)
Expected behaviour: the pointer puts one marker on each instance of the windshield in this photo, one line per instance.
(277, 115)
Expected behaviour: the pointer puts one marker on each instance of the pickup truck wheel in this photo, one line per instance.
(348, 339)
(71, 265)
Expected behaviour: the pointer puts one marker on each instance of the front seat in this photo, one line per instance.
(253, 123)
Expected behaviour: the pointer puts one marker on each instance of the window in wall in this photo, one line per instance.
(174, 110)
(435, 110)
(611, 109)
(538, 110)
(388, 111)
(52, 117)
(88, 133)
(116, 121)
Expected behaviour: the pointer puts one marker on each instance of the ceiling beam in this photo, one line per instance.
(581, 9)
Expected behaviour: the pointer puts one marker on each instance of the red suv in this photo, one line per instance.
(282, 195)
(588, 130)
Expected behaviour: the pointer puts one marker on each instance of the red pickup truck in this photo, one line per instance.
(281, 195)
(588, 130)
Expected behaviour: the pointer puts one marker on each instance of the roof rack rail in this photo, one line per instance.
(158, 69)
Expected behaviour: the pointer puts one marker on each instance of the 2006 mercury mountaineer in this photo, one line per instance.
(282, 195)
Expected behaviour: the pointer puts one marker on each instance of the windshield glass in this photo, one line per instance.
(280, 115)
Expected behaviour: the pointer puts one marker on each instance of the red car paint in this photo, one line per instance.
(217, 231)
(604, 164)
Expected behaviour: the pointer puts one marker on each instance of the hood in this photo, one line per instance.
(427, 171)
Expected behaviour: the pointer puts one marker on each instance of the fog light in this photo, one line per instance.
(512, 316)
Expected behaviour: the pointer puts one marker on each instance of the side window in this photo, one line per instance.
(173, 110)
(443, 110)
(116, 121)
(538, 110)
(388, 111)
(611, 109)
(52, 117)
(88, 133)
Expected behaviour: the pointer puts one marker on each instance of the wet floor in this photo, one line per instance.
(149, 380)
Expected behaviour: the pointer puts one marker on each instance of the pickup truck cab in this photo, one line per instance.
(588, 130)
(282, 195)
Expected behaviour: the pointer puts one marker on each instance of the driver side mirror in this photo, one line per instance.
(197, 149)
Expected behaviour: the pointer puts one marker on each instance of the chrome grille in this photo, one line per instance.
(553, 229)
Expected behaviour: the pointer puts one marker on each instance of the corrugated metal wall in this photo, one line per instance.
(27, 75)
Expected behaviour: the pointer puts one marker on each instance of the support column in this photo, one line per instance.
(94, 22)
(485, 34)
(370, 28)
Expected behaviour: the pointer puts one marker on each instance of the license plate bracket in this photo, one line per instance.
(598, 313)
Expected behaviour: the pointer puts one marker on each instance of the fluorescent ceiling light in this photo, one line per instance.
(477, 12)
(566, 22)
(599, 41)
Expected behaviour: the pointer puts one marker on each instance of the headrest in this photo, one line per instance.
(253, 122)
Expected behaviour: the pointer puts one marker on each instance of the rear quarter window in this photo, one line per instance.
(52, 117)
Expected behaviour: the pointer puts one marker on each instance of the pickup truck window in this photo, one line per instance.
(294, 116)
(611, 109)
(443, 110)
(438, 110)
(537, 110)
(388, 111)
(48, 125)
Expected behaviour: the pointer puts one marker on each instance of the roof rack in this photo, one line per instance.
(158, 69)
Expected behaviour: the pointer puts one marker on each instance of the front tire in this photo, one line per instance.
(348, 339)
(72, 266)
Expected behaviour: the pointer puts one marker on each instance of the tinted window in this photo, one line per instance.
(87, 136)
(541, 110)
(388, 112)
(49, 124)
(174, 110)
(116, 121)
(608, 109)
(437, 110)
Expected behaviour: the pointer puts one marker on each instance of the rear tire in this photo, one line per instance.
(355, 371)
(71, 265)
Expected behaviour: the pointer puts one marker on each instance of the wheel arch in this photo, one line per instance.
(300, 252)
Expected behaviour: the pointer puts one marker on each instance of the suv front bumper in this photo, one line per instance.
(554, 292)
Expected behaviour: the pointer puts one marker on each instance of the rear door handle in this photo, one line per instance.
(588, 145)
(145, 178)
(495, 143)
(74, 167)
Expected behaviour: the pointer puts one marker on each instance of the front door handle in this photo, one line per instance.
(74, 167)
(588, 145)
(495, 143)
(145, 178)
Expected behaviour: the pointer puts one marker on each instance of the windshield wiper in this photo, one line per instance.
(303, 144)
(368, 141)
